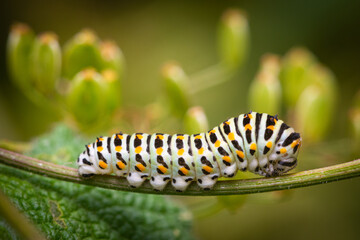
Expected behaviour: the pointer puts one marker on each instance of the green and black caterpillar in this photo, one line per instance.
(257, 142)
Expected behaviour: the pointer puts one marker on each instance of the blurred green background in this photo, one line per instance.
(152, 33)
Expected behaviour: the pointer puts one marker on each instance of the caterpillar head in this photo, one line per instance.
(86, 162)
(284, 155)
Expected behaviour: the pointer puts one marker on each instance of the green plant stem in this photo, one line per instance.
(17, 221)
(301, 179)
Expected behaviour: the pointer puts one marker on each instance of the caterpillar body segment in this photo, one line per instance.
(139, 168)
(235, 141)
(222, 153)
(256, 142)
(160, 160)
(207, 169)
(247, 124)
(120, 154)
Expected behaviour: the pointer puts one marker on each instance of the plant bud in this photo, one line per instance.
(195, 121)
(113, 89)
(46, 63)
(293, 74)
(112, 57)
(176, 86)
(86, 99)
(233, 38)
(354, 116)
(80, 52)
(265, 90)
(19, 45)
(315, 107)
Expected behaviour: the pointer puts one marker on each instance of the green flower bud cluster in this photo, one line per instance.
(85, 75)
(307, 88)
(34, 62)
(233, 45)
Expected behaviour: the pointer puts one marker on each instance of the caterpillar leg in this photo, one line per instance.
(86, 168)
(135, 179)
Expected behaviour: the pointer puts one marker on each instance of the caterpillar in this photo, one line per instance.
(257, 142)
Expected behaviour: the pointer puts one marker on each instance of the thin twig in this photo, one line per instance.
(301, 179)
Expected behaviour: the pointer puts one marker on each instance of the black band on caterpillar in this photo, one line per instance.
(256, 142)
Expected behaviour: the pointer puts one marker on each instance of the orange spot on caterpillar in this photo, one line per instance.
(162, 169)
(283, 150)
(184, 171)
(253, 146)
(159, 150)
(102, 164)
(231, 136)
(271, 127)
(212, 131)
(121, 165)
(294, 143)
(180, 137)
(217, 143)
(248, 127)
(138, 149)
(181, 152)
(118, 148)
(120, 136)
(269, 144)
(140, 167)
(100, 149)
(207, 168)
(226, 159)
(198, 137)
(201, 151)
(160, 137)
(240, 154)
(139, 136)
(250, 116)
(101, 139)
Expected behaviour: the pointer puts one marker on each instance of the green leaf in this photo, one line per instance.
(65, 210)
(61, 146)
